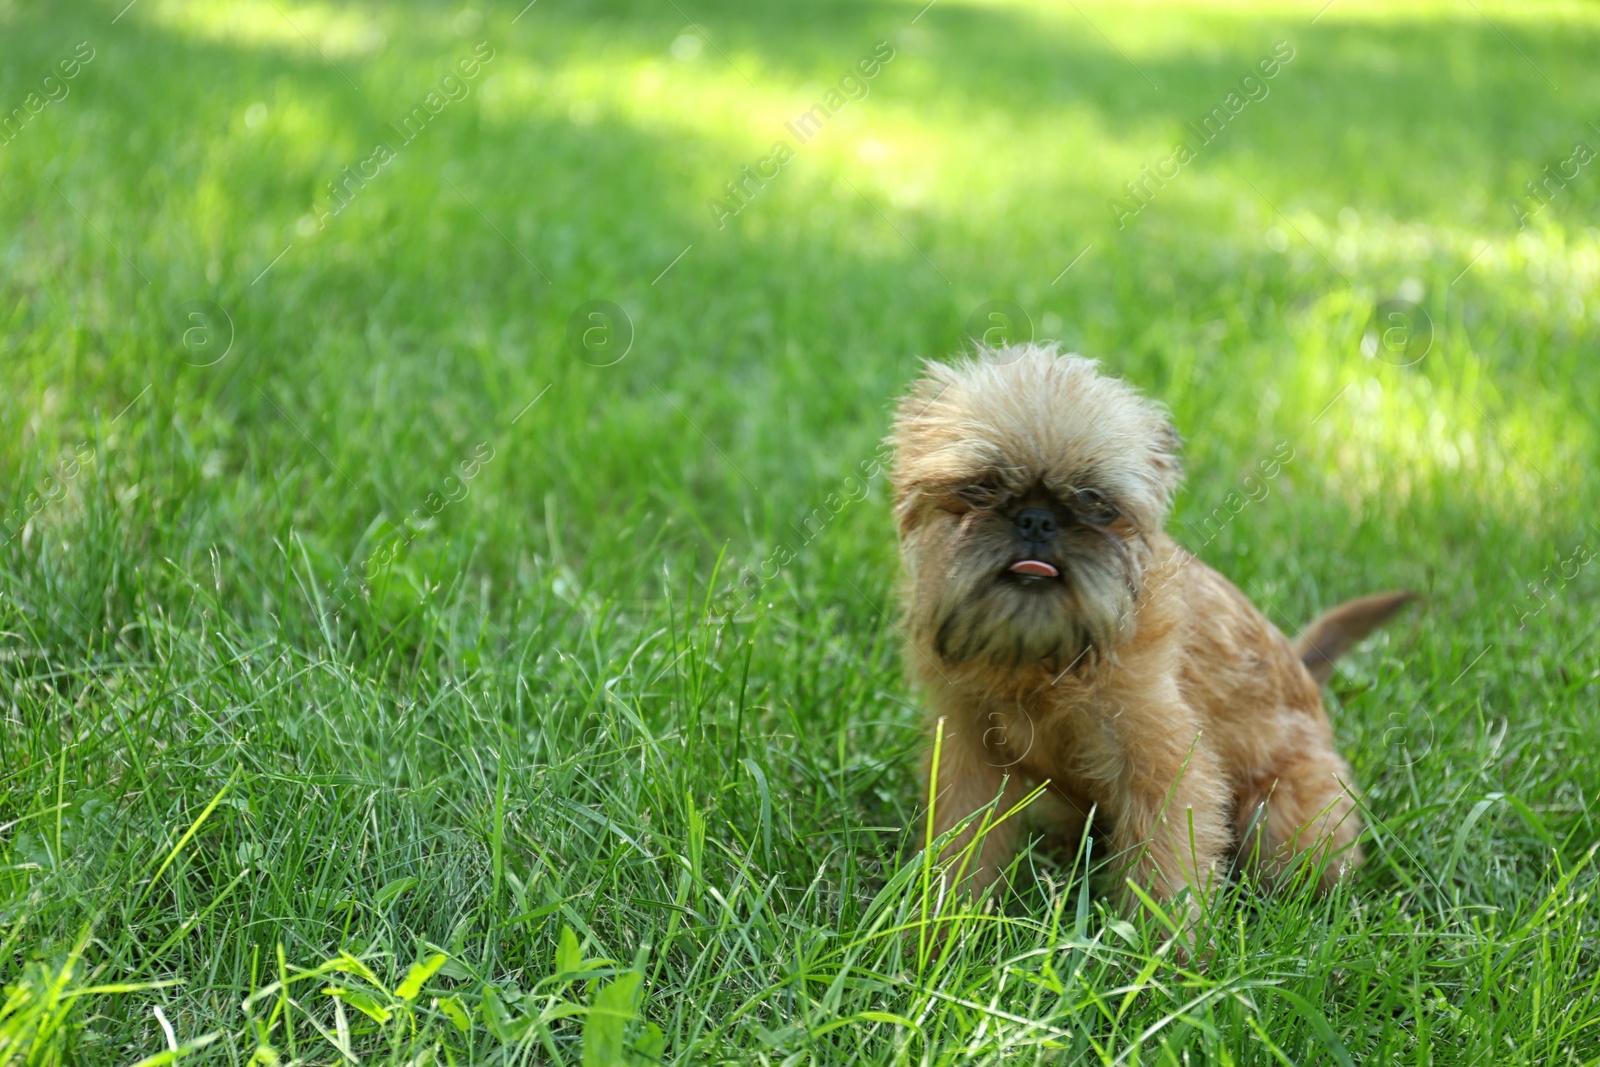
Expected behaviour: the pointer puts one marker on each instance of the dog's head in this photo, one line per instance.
(1027, 486)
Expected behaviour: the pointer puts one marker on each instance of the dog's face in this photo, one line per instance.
(1026, 488)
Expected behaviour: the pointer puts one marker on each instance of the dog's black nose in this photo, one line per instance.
(1035, 524)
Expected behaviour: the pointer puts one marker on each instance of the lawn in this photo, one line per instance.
(446, 597)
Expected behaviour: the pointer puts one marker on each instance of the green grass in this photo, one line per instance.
(549, 739)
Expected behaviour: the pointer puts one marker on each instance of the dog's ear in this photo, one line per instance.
(1166, 455)
(918, 423)
(929, 386)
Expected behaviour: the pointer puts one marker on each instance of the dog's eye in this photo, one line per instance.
(983, 494)
(1094, 507)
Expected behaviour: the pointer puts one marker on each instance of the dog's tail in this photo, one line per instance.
(1332, 633)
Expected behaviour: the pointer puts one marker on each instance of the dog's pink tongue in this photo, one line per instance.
(1034, 569)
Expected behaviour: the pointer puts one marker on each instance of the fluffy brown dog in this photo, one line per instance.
(1062, 637)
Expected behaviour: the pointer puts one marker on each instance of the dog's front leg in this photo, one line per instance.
(1171, 823)
(964, 782)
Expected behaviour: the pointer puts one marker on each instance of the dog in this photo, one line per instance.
(1063, 640)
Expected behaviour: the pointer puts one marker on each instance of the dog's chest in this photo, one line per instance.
(1072, 743)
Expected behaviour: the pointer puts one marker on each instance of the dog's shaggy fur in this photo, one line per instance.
(1136, 680)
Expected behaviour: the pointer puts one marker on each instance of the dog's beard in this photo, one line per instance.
(981, 612)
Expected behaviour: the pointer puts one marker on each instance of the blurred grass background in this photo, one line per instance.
(547, 711)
